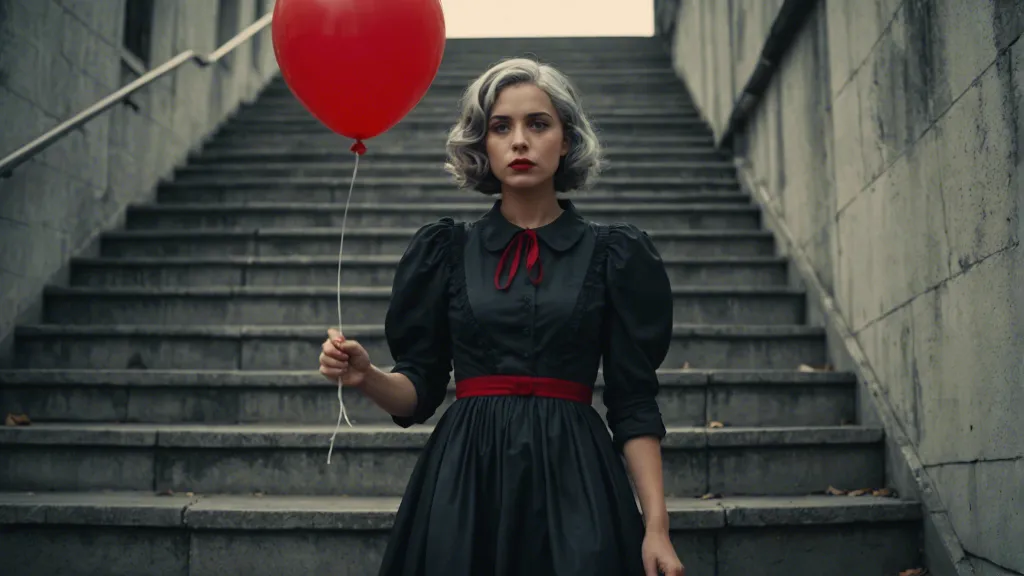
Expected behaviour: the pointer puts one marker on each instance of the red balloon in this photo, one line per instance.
(359, 66)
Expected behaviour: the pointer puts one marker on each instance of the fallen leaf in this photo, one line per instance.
(715, 424)
(17, 420)
(711, 496)
(860, 492)
(166, 493)
(258, 494)
(884, 493)
(686, 365)
(915, 572)
(190, 494)
(834, 491)
(804, 368)
(811, 368)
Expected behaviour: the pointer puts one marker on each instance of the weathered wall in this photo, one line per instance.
(57, 57)
(888, 142)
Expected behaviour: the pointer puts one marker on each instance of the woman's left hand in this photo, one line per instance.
(660, 556)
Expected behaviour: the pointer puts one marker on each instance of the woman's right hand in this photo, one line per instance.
(344, 360)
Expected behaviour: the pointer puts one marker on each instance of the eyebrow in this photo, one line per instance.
(530, 115)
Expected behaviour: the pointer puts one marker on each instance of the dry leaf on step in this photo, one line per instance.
(834, 491)
(860, 492)
(915, 572)
(711, 496)
(686, 365)
(810, 368)
(17, 420)
(715, 424)
(884, 493)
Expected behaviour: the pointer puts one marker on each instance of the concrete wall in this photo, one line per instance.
(58, 57)
(887, 145)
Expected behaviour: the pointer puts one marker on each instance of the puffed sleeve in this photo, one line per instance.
(416, 324)
(637, 334)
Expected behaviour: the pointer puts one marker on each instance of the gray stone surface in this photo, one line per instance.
(279, 534)
(307, 305)
(887, 140)
(58, 59)
(294, 347)
(377, 460)
(687, 398)
(227, 271)
(314, 215)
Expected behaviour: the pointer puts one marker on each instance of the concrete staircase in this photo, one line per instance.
(179, 425)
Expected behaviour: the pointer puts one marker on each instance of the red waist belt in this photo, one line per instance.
(523, 386)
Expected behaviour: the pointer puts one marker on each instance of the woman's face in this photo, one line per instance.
(525, 138)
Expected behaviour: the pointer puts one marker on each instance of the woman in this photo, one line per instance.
(520, 476)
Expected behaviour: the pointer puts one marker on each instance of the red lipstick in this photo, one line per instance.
(521, 164)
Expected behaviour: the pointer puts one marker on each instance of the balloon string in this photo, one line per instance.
(342, 413)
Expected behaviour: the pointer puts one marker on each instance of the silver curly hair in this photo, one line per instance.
(466, 147)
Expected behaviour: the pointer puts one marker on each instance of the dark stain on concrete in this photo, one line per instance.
(1008, 21)
(5, 10)
(1008, 24)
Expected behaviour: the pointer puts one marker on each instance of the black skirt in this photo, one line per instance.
(517, 486)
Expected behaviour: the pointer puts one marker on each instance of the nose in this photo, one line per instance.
(519, 139)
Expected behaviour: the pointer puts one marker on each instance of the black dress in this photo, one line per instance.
(524, 485)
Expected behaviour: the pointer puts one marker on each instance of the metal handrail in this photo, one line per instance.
(23, 154)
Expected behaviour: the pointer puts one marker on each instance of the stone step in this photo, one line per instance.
(736, 398)
(384, 167)
(280, 110)
(431, 129)
(584, 83)
(378, 460)
(143, 272)
(579, 74)
(618, 124)
(277, 305)
(374, 184)
(143, 534)
(390, 143)
(177, 193)
(381, 241)
(250, 216)
(296, 347)
(594, 99)
(274, 153)
(447, 109)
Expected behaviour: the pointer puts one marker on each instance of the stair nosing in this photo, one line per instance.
(403, 232)
(370, 260)
(237, 331)
(307, 291)
(126, 377)
(328, 513)
(284, 436)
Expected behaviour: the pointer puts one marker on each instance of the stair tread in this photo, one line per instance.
(621, 208)
(375, 232)
(269, 512)
(382, 260)
(425, 180)
(297, 378)
(356, 291)
(363, 330)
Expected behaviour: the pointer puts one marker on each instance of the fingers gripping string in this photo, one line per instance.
(358, 148)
